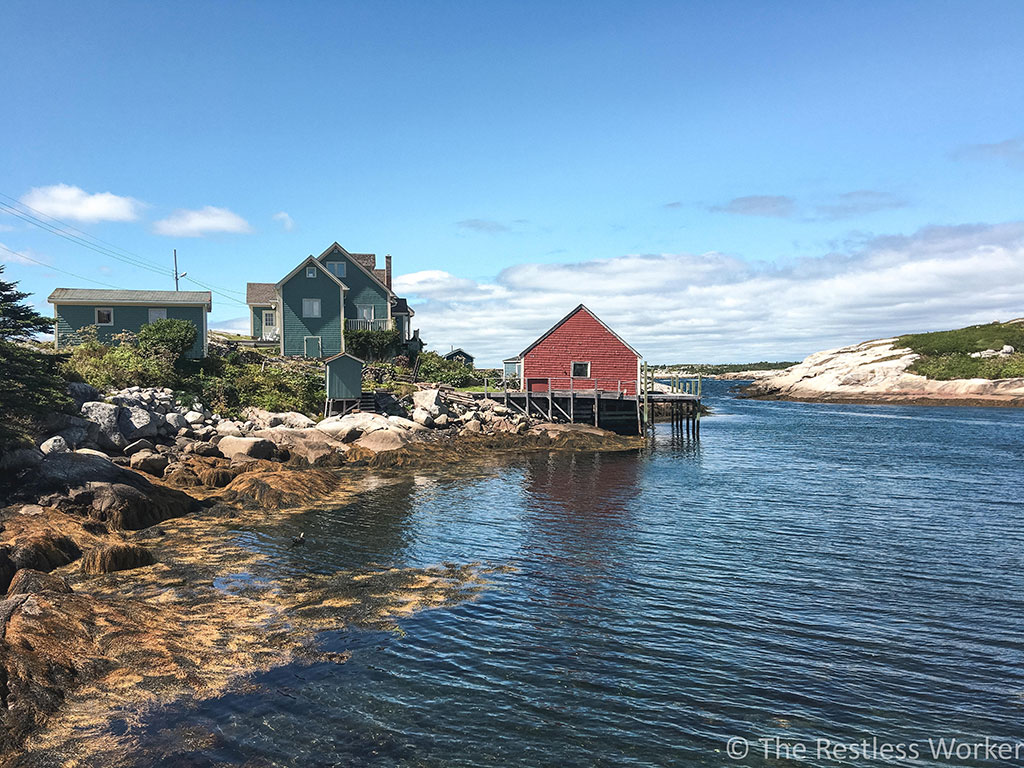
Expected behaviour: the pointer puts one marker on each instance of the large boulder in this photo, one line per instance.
(137, 423)
(149, 462)
(105, 416)
(82, 393)
(304, 446)
(55, 444)
(290, 419)
(116, 557)
(44, 552)
(253, 447)
(138, 445)
(383, 440)
(422, 416)
(18, 459)
(229, 428)
(130, 507)
(176, 420)
(405, 423)
(429, 400)
(30, 581)
(348, 428)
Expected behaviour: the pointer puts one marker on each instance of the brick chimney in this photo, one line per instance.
(387, 270)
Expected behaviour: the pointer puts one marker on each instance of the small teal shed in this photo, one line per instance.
(344, 377)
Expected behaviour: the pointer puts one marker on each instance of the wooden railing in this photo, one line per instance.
(370, 325)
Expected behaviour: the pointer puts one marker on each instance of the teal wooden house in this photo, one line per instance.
(309, 309)
(115, 311)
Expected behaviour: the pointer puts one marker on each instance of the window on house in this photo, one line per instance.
(336, 268)
(157, 314)
(104, 316)
(365, 311)
(268, 319)
(311, 307)
(310, 271)
(580, 370)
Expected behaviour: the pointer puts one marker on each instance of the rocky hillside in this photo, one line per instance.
(883, 371)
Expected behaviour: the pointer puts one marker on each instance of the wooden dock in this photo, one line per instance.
(628, 407)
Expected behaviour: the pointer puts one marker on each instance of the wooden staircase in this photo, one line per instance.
(368, 402)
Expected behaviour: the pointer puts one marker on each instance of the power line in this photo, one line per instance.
(57, 269)
(90, 241)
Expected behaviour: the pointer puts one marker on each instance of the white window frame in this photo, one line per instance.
(340, 271)
(96, 315)
(272, 324)
(572, 369)
(373, 311)
(310, 271)
(319, 309)
(157, 309)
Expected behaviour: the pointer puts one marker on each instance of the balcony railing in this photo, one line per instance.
(370, 325)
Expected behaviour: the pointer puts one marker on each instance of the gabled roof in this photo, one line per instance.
(455, 351)
(118, 297)
(364, 261)
(580, 308)
(260, 293)
(401, 307)
(344, 354)
(310, 261)
(512, 359)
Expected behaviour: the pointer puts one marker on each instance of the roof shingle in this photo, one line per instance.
(260, 293)
(116, 296)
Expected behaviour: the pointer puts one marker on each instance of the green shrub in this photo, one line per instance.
(974, 338)
(230, 387)
(434, 368)
(169, 336)
(371, 345)
(121, 365)
(961, 366)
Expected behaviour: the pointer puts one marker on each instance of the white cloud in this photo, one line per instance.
(208, 220)
(718, 308)
(286, 221)
(63, 201)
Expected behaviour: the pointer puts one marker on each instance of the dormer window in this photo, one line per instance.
(310, 271)
(336, 268)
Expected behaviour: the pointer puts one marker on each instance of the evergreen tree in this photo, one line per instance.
(30, 382)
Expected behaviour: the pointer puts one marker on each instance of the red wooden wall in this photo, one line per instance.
(581, 338)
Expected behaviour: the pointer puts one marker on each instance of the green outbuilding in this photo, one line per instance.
(118, 311)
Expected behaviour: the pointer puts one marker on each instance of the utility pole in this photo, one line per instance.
(176, 273)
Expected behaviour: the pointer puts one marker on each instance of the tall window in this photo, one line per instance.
(580, 370)
(365, 311)
(336, 268)
(104, 316)
(311, 307)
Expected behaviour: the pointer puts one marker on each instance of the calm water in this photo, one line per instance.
(806, 571)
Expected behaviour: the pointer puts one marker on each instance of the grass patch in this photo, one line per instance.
(974, 338)
(946, 355)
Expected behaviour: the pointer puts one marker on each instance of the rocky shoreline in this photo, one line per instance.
(876, 373)
(116, 529)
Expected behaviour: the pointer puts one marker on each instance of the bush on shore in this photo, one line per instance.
(436, 369)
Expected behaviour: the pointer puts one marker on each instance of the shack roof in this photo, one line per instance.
(580, 308)
(117, 297)
(260, 293)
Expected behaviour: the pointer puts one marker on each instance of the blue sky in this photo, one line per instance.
(724, 181)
